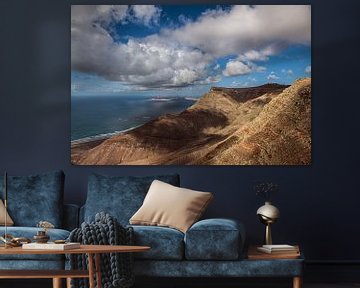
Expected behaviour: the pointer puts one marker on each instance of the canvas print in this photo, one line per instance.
(191, 85)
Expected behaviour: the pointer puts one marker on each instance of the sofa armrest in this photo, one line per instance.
(215, 239)
(71, 216)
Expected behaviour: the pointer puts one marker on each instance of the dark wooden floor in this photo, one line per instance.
(241, 284)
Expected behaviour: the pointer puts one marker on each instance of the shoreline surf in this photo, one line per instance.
(100, 137)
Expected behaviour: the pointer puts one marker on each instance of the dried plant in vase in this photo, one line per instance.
(265, 190)
(268, 213)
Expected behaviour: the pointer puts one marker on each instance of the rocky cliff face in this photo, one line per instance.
(265, 125)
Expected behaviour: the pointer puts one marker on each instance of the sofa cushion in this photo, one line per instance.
(120, 196)
(9, 221)
(214, 239)
(35, 198)
(169, 206)
(29, 232)
(165, 243)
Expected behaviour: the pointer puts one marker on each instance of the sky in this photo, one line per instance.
(175, 50)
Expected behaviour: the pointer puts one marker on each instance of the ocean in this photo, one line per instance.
(102, 116)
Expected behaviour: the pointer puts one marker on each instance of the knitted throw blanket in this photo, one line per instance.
(116, 268)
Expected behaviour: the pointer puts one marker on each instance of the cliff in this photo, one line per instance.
(269, 124)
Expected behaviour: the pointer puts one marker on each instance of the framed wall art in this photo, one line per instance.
(191, 85)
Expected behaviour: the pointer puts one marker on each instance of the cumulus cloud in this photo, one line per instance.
(242, 28)
(148, 62)
(262, 54)
(181, 56)
(272, 76)
(146, 14)
(308, 69)
(236, 68)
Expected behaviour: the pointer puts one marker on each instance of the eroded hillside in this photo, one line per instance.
(269, 124)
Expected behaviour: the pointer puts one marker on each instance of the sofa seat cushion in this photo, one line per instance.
(166, 243)
(119, 196)
(214, 239)
(29, 232)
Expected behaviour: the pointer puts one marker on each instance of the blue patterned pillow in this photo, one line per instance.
(120, 196)
(35, 198)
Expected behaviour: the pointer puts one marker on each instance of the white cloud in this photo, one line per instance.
(288, 72)
(184, 55)
(236, 68)
(211, 79)
(308, 69)
(262, 54)
(239, 29)
(272, 76)
(148, 62)
(146, 14)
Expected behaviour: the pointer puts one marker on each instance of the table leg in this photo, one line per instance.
(91, 270)
(68, 282)
(98, 270)
(297, 282)
(57, 283)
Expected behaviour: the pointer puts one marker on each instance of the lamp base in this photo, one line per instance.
(268, 237)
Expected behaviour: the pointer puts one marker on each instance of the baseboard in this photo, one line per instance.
(208, 282)
(332, 271)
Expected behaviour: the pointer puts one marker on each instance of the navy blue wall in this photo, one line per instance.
(318, 202)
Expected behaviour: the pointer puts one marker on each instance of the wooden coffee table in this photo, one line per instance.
(92, 251)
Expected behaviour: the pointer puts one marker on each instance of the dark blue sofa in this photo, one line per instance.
(210, 248)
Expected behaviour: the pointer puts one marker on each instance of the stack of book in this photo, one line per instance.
(51, 246)
(274, 252)
(279, 249)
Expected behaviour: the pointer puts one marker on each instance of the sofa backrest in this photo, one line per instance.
(35, 198)
(120, 196)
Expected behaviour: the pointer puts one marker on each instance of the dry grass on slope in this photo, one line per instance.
(279, 135)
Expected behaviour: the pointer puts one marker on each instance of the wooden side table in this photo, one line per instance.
(93, 251)
(254, 254)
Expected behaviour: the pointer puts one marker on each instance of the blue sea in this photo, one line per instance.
(102, 116)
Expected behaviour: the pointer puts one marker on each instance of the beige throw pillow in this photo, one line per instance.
(9, 221)
(170, 206)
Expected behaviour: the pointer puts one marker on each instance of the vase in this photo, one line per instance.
(41, 237)
(268, 214)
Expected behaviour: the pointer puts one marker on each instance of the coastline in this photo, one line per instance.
(101, 137)
(79, 146)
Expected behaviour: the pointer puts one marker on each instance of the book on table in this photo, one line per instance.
(278, 249)
(255, 254)
(51, 246)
